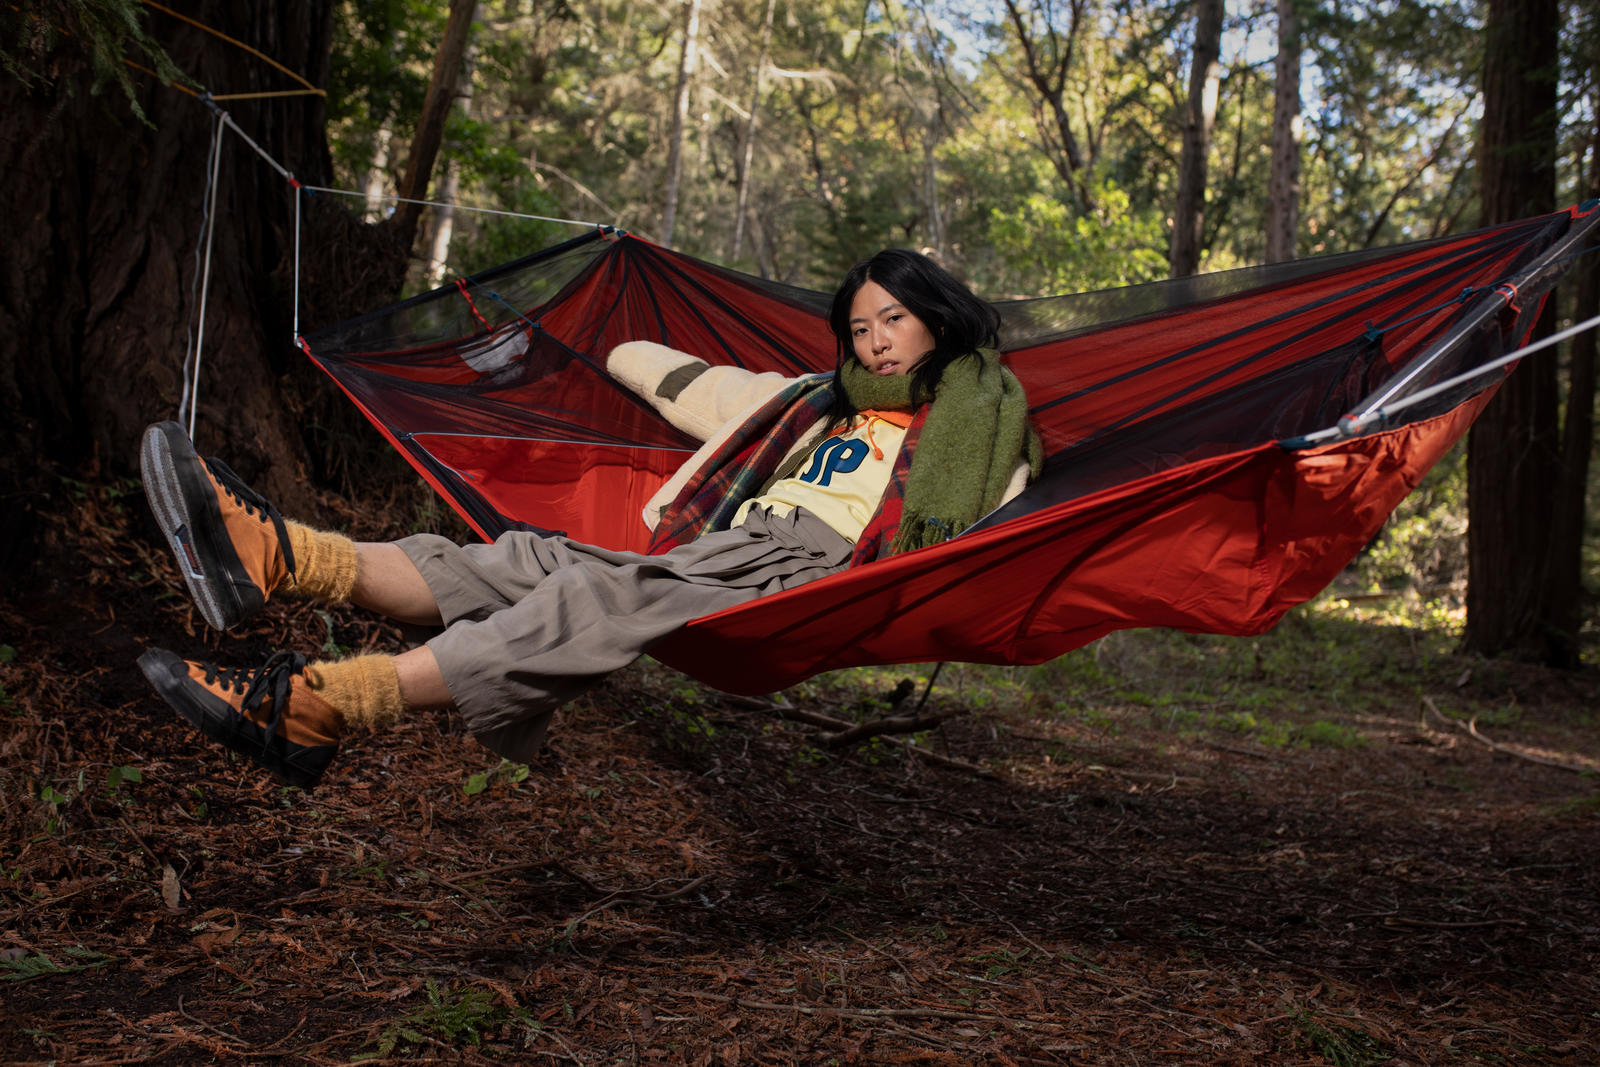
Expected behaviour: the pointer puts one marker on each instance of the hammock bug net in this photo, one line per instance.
(1191, 480)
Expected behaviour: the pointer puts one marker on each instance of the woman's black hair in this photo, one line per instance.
(961, 322)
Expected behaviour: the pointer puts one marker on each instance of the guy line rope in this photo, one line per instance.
(193, 356)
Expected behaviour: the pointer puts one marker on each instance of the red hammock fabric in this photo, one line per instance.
(1174, 493)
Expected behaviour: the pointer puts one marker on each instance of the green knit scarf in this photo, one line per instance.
(976, 432)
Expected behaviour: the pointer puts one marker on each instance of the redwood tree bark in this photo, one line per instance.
(1577, 429)
(1200, 113)
(104, 216)
(1514, 603)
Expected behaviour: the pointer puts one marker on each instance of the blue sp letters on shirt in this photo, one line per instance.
(843, 479)
(836, 456)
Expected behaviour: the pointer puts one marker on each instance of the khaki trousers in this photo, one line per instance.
(532, 621)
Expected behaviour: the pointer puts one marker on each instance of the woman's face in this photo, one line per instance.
(886, 337)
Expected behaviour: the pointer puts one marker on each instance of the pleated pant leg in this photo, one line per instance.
(532, 621)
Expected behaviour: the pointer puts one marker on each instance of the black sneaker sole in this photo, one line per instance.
(185, 506)
(299, 765)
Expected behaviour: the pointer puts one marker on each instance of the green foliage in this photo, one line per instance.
(330, 647)
(55, 799)
(1423, 545)
(1322, 734)
(378, 75)
(1397, 83)
(1286, 689)
(490, 240)
(454, 1015)
(1001, 962)
(1343, 1046)
(512, 774)
(916, 126)
(27, 968)
(110, 34)
(1047, 248)
(120, 775)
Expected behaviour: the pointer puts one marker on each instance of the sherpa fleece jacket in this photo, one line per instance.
(708, 403)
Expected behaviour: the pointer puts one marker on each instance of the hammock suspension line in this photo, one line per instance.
(195, 348)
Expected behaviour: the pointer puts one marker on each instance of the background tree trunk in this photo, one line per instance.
(1283, 184)
(747, 141)
(1577, 429)
(444, 215)
(680, 117)
(100, 265)
(430, 130)
(1200, 114)
(1048, 54)
(375, 187)
(1514, 604)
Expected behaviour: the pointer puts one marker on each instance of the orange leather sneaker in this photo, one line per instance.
(231, 544)
(267, 714)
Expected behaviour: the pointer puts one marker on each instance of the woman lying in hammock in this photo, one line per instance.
(918, 433)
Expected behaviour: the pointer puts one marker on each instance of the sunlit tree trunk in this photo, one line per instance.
(1514, 603)
(680, 117)
(747, 146)
(444, 215)
(1283, 184)
(1200, 116)
(930, 182)
(377, 180)
(1049, 51)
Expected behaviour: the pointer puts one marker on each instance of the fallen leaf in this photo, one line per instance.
(212, 938)
(170, 890)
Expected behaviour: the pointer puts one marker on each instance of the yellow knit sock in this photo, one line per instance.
(364, 689)
(324, 563)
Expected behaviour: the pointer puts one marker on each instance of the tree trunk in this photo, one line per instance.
(375, 187)
(930, 189)
(99, 290)
(1200, 114)
(1514, 604)
(747, 143)
(1048, 54)
(1283, 184)
(1577, 428)
(680, 117)
(430, 130)
(444, 215)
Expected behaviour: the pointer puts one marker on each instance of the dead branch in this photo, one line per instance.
(890, 724)
(873, 1013)
(1470, 728)
(844, 726)
(1442, 924)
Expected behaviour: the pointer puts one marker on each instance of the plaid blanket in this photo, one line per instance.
(746, 461)
(877, 540)
(743, 463)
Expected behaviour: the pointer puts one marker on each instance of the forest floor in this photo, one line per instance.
(1161, 849)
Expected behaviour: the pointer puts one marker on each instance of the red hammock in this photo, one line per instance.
(1176, 492)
